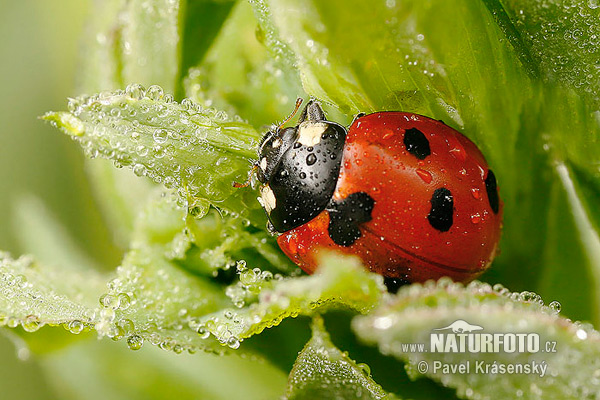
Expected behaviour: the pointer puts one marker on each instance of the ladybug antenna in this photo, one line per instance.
(238, 185)
(298, 104)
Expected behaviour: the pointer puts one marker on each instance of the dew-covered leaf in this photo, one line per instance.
(579, 228)
(204, 242)
(340, 282)
(560, 39)
(152, 300)
(540, 218)
(151, 297)
(34, 295)
(200, 152)
(561, 367)
(257, 86)
(322, 371)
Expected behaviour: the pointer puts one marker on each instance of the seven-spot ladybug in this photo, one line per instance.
(412, 197)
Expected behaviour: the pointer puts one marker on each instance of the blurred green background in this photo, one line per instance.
(39, 43)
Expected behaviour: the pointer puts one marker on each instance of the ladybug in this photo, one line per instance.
(409, 195)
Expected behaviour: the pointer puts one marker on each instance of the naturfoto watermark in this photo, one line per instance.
(462, 337)
(483, 367)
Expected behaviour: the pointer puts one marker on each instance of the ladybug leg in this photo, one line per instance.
(239, 185)
(345, 217)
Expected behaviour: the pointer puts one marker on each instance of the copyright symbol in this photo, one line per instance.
(423, 367)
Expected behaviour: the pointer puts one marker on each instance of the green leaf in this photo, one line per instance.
(413, 315)
(217, 242)
(97, 370)
(560, 39)
(323, 371)
(339, 282)
(256, 86)
(119, 193)
(200, 152)
(41, 234)
(203, 21)
(150, 31)
(100, 59)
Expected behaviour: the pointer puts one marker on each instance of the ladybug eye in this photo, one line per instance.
(265, 139)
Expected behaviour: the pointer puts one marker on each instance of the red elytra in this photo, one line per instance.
(401, 240)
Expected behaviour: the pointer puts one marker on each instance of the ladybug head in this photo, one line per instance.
(298, 168)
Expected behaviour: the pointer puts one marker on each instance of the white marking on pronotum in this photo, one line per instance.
(263, 164)
(276, 143)
(267, 198)
(309, 133)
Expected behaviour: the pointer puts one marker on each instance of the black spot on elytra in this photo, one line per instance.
(393, 284)
(416, 143)
(345, 217)
(442, 209)
(492, 191)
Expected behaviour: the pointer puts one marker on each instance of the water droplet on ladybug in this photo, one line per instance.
(311, 159)
(476, 194)
(475, 218)
(424, 175)
(302, 175)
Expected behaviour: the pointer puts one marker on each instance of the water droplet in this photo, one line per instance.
(311, 159)
(476, 218)
(364, 368)
(476, 193)
(124, 301)
(109, 301)
(233, 342)
(160, 136)
(203, 332)
(581, 334)
(555, 306)
(154, 92)
(248, 277)
(31, 323)
(75, 326)
(139, 170)
(135, 342)
(424, 175)
(135, 91)
(241, 265)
